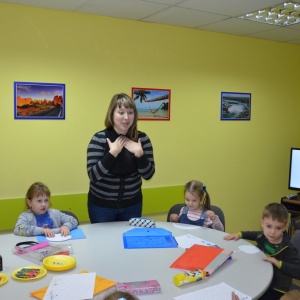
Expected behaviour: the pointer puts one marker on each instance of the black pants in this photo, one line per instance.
(271, 294)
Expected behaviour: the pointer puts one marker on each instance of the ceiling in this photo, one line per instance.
(211, 15)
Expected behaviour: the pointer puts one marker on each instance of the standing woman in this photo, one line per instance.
(117, 160)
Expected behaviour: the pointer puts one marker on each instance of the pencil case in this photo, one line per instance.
(142, 222)
(139, 287)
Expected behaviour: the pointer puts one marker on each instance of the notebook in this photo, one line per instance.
(207, 258)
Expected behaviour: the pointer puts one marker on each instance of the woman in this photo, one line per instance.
(117, 160)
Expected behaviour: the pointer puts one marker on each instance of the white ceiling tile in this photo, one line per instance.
(183, 17)
(128, 9)
(169, 2)
(229, 7)
(237, 27)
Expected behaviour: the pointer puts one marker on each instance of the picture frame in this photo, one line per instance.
(39, 101)
(151, 103)
(235, 106)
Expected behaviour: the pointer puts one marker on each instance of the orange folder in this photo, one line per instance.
(201, 257)
(101, 284)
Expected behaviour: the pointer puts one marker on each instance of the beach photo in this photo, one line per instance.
(235, 106)
(152, 104)
(34, 100)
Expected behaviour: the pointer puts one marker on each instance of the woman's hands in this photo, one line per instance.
(134, 147)
(122, 141)
(116, 147)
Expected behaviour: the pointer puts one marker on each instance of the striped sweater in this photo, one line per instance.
(115, 182)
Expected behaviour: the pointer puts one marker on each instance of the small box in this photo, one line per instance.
(142, 222)
(139, 287)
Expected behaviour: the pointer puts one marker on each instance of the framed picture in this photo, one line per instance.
(152, 104)
(235, 106)
(41, 101)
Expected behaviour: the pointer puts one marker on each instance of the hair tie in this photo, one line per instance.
(122, 298)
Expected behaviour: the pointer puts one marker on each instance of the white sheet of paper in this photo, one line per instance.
(249, 249)
(58, 238)
(188, 240)
(183, 226)
(73, 286)
(221, 291)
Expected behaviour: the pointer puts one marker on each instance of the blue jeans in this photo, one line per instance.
(99, 214)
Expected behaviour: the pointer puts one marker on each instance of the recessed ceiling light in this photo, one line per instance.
(285, 14)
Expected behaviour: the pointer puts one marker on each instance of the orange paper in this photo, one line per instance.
(101, 284)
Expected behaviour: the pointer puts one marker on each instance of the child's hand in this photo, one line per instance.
(211, 215)
(233, 236)
(272, 260)
(64, 230)
(234, 296)
(174, 218)
(48, 232)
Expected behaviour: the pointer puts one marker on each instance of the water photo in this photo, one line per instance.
(235, 106)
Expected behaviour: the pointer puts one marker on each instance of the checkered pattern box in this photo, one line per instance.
(142, 222)
(139, 287)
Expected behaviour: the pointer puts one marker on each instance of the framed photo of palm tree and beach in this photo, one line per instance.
(152, 104)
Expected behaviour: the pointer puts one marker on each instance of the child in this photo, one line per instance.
(118, 295)
(275, 243)
(39, 218)
(197, 210)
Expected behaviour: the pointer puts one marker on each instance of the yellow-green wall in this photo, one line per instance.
(243, 163)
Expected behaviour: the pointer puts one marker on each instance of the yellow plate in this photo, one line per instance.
(29, 273)
(3, 278)
(59, 262)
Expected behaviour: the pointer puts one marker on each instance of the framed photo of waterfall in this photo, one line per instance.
(152, 104)
(235, 106)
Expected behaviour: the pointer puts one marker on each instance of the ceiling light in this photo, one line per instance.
(285, 14)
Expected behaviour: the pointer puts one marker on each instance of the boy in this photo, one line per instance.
(275, 243)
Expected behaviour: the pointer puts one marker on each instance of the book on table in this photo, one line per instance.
(206, 258)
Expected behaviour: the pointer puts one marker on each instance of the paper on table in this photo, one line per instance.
(188, 240)
(74, 233)
(73, 286)
(184, 226)
(221, 291)
(58, 238)
(102, 285)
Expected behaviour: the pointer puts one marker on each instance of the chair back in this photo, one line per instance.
(175, 209)
(67, 212)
